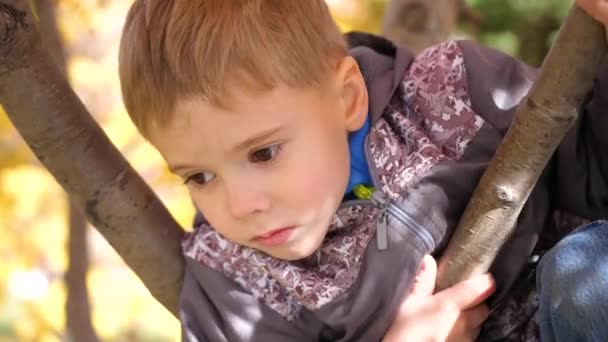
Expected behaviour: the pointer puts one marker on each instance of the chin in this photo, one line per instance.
(293, 255)
(297, 251)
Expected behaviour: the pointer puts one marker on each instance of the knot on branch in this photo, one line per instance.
(13, 19)
(505, 196)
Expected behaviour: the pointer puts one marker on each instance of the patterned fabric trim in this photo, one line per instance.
(286, 286)
(431, 121)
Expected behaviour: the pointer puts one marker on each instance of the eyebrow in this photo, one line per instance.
(257, 139)
(254, 140)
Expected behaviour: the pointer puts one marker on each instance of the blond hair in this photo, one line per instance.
(173, 50)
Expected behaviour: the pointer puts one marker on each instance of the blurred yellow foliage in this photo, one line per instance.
(33, 207)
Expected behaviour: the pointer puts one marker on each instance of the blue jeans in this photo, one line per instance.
(572, 282)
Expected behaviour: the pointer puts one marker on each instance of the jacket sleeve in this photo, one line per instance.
(581, 161)
(497, 83)
(579, 167)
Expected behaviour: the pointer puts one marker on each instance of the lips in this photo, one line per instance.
(275, 237)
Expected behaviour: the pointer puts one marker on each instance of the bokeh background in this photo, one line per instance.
(35, 214)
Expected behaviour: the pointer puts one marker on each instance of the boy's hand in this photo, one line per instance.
(596, 8)
(454, 314)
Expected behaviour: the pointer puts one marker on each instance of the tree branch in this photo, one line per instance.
(418, 24)
(541, 122)
(67, 140)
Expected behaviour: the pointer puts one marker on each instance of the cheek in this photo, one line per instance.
(310, 189)
(320, 175)
(210, 205)
(205, 206)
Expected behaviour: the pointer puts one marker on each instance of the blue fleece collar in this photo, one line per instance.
(359, 172)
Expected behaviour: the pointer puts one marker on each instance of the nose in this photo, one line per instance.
(245, 199)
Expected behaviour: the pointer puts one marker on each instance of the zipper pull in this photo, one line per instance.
(382, 232)
(382, 225)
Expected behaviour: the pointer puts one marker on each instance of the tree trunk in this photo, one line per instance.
(541, 121)
(78, 312)
(419, 24)
(534, 36)
(78, 322)
(66, 139)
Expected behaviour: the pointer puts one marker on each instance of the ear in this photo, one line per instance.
(353, 93)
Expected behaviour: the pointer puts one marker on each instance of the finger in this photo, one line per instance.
(469, 324)
(468, 293)
(462, 334)
(597, 9)
(475, 333)
(475, 317)
(424, 284)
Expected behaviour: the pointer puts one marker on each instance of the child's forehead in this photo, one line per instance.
(198, 122)
(243, 101)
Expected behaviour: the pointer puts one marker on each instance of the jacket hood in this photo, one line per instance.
(383, 66)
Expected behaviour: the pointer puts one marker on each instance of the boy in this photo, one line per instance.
(325, 176)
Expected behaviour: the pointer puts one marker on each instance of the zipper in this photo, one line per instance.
(382, 224)
(387, 208)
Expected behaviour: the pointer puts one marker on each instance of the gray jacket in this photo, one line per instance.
(436, 121)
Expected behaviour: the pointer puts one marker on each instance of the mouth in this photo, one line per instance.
(275, 237)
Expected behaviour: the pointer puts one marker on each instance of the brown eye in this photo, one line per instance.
(265, 154)
(200, 178)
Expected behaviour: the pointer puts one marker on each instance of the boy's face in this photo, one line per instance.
(270, 172)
